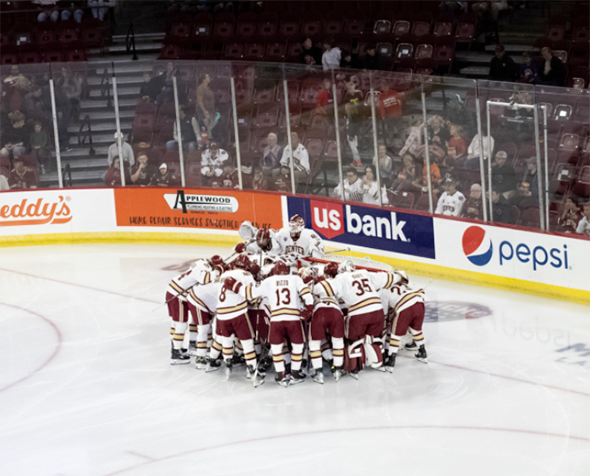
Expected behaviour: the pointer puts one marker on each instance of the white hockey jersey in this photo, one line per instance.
(285, 294)
(205, 297)
(451, 205)
(308, 244)
(324, 295)
(359, 290)
(200, 273)
(403, 296)
(230, 304)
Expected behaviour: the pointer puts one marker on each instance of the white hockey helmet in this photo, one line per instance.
(346, 265)
(296, 224)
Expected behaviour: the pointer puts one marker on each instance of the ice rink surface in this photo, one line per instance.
(86, 387)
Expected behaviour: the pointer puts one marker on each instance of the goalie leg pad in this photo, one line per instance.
(373, 351)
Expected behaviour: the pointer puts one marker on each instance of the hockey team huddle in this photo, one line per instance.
(281, 294)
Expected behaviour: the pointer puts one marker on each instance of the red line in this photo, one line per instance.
(80, 286)
(345, 430)
(51, 357)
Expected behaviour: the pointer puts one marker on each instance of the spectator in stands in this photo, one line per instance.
(16, 138)
(282, 182)
(325, 100)
(456, 145)
(491, 7)
(142, 172)
(390, 109)
(271, 156)
(451, 201)
(385, 165)
(584, 224)
(570, 216)
(259, 181)
(503, 175)
(372, 60)
(502, 67)
(38, 140)
(454, 7)
(189, 129)
(212, 160)
(349, 60)
(301, 163)
(229, 178)
(151, 86)
(310, 54)
(71, 87)
(474, 152)
(126, 150)
(524, 198)
(100, 7)
(353, 101)
(553, 72)
(353, 187)
(48, 10)
(438, 137)
(527, 71)
(421, 183)
(473, 205)
(206, 110)
(73, 8)
(414, 136)
(164, 177)
(532, 177)
(331, 56)
(370, 187)
(501, 209)
(37, 106)
(406, 176)
(21, 177)
(16, 86)
(113, 175)
(3, 183)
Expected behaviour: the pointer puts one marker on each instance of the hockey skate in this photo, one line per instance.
(192, 348)
(179, 357)
(318, 376)
(389, 364)
(201, 363)
(282, 379)
(337, 372)
(412, 347)
(228, 369)
(297, 376)
(238, 359)
(421, 355)
(254, 375)
(213, 365)
(265, 364)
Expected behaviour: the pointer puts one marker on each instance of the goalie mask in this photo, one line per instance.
(346, 266)
(296, 226)
(331, 270)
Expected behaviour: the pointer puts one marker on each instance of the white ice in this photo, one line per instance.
(86, 387)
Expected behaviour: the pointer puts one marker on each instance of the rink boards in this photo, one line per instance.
(536, 263)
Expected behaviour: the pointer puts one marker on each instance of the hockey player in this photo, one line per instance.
(407, 302)
(297, 242)
(364, 323)
(327, 323)
(264, 243)
(202, 303)
(285, 294)
(232, 315)
(176, 299)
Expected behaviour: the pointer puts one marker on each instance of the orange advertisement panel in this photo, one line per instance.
(216, 209)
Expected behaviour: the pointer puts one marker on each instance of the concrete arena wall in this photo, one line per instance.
(547, 265)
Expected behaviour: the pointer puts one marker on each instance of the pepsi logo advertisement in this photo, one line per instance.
(375, 228)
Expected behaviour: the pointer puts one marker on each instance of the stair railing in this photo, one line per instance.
(85, 132)
(130, 41)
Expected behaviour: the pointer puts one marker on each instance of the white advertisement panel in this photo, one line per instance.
(509, 253)
(57, 211)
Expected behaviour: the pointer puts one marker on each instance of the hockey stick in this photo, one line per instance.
(174, 297)
(257, 363)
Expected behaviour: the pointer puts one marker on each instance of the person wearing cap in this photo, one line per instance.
(502, 67)
(212, 160)
(473, 205)
(503, 175)
(451, 201)
(126, 150)
(21, 177)
(163, 177)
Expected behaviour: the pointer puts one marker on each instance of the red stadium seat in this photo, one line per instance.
(422, 23)
(290, 24)
(203, 24)
(268, 24)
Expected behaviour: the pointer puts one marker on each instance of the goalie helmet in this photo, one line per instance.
(331, 270)
(242, 261)
(279, 268)
(296, 226)
(308, 275)
(346, 266)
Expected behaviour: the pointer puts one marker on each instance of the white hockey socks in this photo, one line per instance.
(178, 336)
(296, 356)
(338, 344)
(202, 335)
(315, 353)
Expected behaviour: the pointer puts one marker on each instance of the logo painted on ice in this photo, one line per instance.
(477, 246)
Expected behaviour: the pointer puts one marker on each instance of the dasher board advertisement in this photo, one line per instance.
(56, 211)
(217, 209)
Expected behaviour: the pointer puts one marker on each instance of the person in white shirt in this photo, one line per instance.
(213, 160)
(371, 187)
(584, 224)
(331, 57)
(126, 149)
(353, 187)
(300, 160)
(474, 151)
(451, 201)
